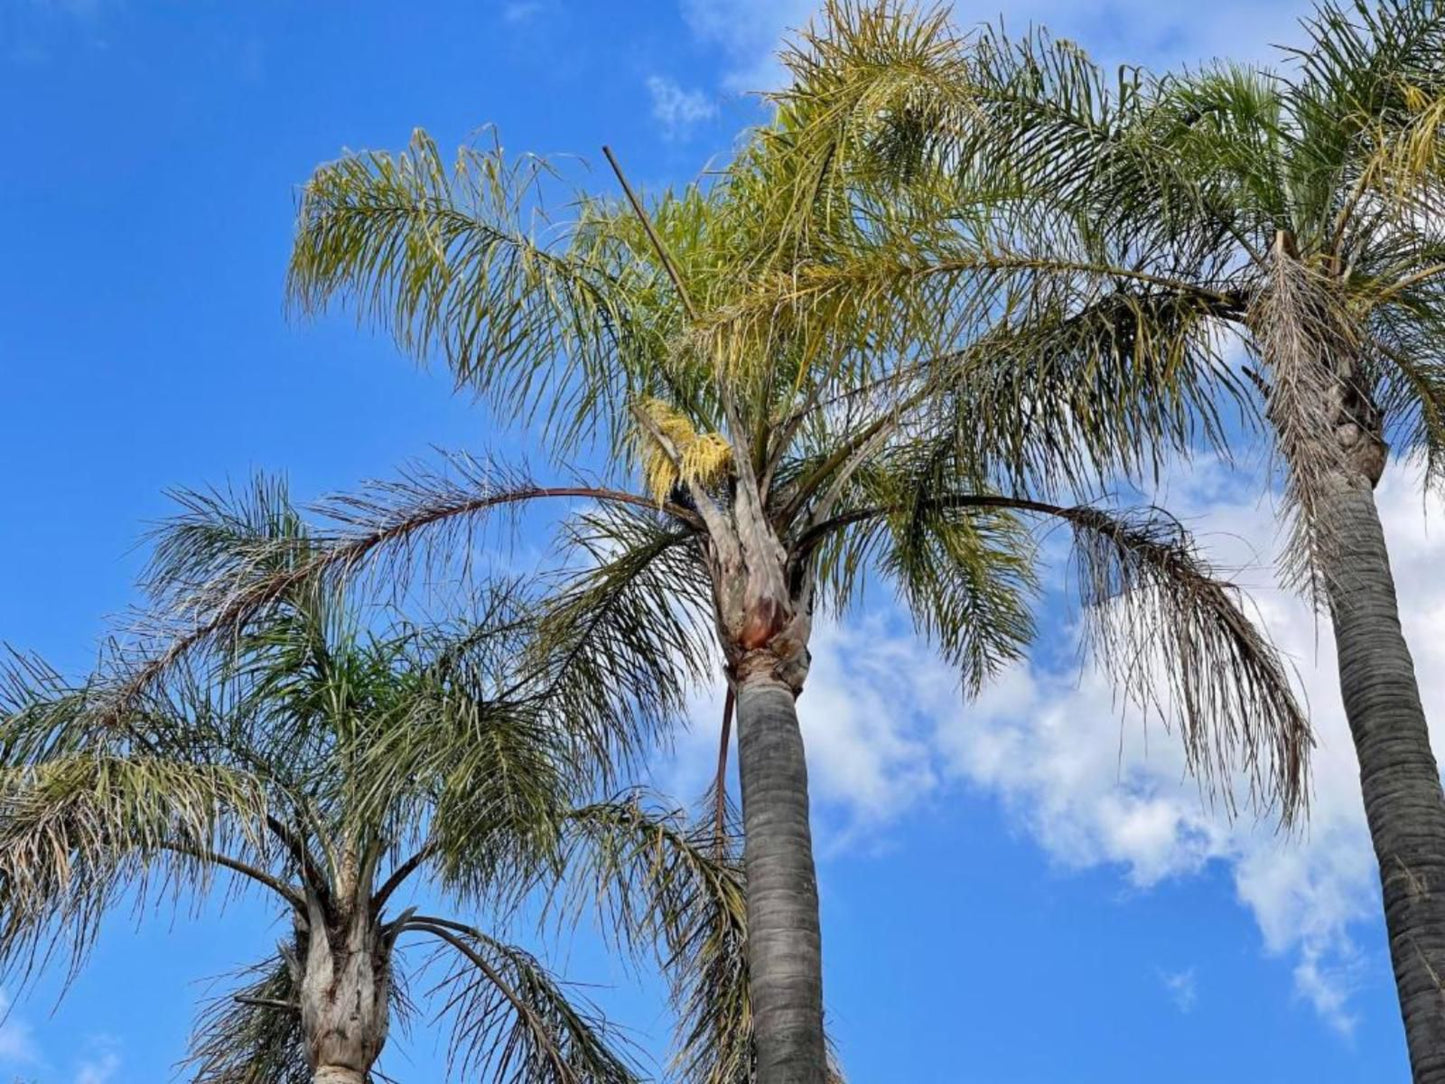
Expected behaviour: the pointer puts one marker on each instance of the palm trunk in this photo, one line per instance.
(1404, 804)
(337, 1074)
(784, 943)
(343, 984)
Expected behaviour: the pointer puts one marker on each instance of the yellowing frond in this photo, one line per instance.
(1407, 156)
(673, 451)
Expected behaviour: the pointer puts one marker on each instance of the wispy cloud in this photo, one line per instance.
(100, 1069)
(679, 111)
(521, 11)
(1182, 988)
(17, 1040)
(98, 1063)
(747, 33)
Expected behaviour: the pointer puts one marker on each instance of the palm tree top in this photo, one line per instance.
(330, 763)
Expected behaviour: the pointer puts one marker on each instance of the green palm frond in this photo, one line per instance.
(1360, 59)
(627, 620)
(675, 885)
(1170, 632)
(1412, 390)
(1105, 383)
(461, 260)
(251, 1035)
(223, 535)
(478, 782)
(965, 576)
(78, 830)
(427, 518)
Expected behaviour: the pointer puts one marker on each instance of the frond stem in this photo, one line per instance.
(400, 874)
(443, 930)
(235, 865)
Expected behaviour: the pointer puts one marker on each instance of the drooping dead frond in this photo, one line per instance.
(252, 1034)
(665, 883)
(1177, 642)
(1324, 418)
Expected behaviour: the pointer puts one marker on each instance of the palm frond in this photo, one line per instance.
(513, 1021)
(965, 574)
(1309, 349)
(1159, 618)
(663, 883)
(425, 518)
(463, 261)
(252, 1034)
(625, 626)
(79, 830)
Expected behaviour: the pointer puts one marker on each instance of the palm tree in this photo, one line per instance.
(1141, 226)
(797, 433)
(333, 770)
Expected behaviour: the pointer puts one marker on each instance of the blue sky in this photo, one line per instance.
(1016, 890)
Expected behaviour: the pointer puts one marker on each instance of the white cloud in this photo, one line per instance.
(1182, 988)
(98, 1064)
(678, 110)
(101, 1063)
(747, 33)
(101, 1070)
(886, 730)
(17, 1040)
(1092, 795)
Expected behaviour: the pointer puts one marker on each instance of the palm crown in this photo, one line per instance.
(1137, 225)
(791, 412)
(333, 767)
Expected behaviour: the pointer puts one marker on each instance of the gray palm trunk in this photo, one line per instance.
(784, 941)
(1404, 804)
(764, 615)
(342, 972)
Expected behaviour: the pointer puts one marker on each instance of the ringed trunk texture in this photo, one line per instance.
(337, 1074)
(784, 941)
(1404, 804)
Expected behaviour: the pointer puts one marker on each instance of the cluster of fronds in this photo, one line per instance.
(312, 759)
(660, 880)
(514, 1021)
(252, 1034)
